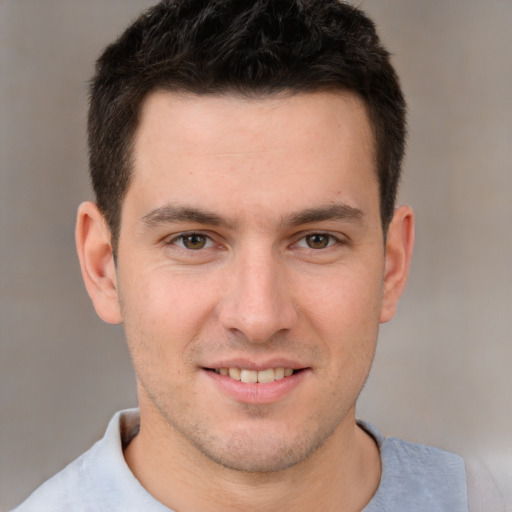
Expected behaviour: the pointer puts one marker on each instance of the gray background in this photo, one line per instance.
(442, 373)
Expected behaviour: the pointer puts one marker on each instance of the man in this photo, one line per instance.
(245, 158)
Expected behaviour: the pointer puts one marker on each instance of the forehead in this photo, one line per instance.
(286, 149)
(202, 120)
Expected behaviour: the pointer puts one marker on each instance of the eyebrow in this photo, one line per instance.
(339, 211)
(172, 213)
(169, 214)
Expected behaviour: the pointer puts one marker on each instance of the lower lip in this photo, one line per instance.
(255, 393)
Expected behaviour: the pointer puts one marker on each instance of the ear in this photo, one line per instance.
(93, 243)
(399, 246)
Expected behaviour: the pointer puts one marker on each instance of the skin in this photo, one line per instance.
(287, 266)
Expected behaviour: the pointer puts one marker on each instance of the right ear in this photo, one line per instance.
(93, 243)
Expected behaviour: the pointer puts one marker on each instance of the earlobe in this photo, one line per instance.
(399, 247)
(93, 242)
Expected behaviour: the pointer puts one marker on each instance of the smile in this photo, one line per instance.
(254, 376)
(247, 385)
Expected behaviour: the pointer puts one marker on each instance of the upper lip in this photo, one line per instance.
(252, 364)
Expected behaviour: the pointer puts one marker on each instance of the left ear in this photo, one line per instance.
(93, 242)
(399, 246)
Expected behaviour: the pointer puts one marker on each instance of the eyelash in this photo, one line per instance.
(182, 236)
(331, 240)
(208, 241)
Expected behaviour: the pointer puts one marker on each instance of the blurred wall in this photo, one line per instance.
(442, 373)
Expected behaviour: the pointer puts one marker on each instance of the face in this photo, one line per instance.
(252, 272)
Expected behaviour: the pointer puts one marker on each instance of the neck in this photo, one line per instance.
(342, 475)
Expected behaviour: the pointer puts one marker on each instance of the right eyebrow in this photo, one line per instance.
(339, 211)
(169, 214)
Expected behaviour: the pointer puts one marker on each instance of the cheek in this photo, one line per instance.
(162, 296)
(344, 316)
(345, 300)
(163, 313)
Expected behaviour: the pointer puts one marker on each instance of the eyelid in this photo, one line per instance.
(335, 239)
(173, 239)
(338, 239)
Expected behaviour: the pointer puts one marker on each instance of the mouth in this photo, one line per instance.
(257, 384)
(247, 376)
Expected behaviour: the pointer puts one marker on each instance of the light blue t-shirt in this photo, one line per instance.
(414, 478)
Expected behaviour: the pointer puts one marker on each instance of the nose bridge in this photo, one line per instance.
(258, 303)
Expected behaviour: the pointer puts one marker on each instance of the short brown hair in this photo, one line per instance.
(255, 48)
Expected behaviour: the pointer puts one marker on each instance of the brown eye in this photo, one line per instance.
(318, 241)
(194, 241)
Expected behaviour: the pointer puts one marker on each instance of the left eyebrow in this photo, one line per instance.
(342, 212)
(170, 213)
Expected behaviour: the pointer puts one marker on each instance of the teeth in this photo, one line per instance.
(248, 376)
(266, 375)
(253, 376)
(234, 373)
(279, 373)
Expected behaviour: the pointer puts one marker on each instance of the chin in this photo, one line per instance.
(259, 452)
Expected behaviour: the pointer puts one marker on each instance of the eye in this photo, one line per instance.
(193, 241)
(317, 241)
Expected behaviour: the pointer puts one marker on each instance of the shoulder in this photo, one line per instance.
(417, 477)
(65, 489)
(99, 480)
(490, 483)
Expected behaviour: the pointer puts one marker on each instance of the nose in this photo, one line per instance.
(257, 301)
